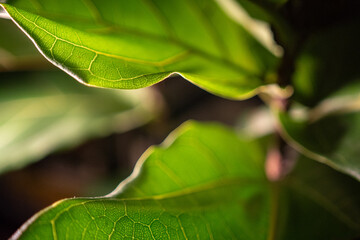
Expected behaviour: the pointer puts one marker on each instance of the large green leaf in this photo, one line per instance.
(43, 112)
(134, 44)
(206, 183)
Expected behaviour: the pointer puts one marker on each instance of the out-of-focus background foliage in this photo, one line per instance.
(60, 139)
(80, 141)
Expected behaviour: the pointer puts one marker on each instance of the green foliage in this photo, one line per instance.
(332, 139)
(329, 132)
(16, 51)
(134, 44)
(48, 111)
(206, 183)
(203, 182)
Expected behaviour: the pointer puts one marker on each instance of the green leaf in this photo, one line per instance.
(43, 112)
(319, 200)
(134, 44)
(256, 18)
(206, 183)
(329, 131)
(329, 61)
(333, 139)
(270, 15)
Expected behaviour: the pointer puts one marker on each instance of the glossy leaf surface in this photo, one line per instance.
(44, 112)
(206, 183)
(134, 44)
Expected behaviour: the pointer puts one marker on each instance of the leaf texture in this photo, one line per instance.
(206, 183)
(134, 44)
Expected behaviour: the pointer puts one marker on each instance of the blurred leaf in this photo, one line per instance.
(263, 10)
(329, 61)
(281, 35)
(16, 50)
(206, 183)
(321, 204)
(14, 41)
(333, 139)
(256, 17)
(43, 112)
(134, 44)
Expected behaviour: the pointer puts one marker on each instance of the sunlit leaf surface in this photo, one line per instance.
(44, 112)
(206, 183)
(134, 44)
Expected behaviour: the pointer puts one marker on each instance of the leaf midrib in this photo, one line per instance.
(192, 189)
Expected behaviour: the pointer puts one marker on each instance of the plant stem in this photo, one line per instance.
(274, 214)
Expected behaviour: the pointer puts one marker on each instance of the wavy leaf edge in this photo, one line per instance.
(166, 75)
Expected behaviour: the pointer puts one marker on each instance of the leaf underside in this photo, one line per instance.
(134, 44)
(206, 183)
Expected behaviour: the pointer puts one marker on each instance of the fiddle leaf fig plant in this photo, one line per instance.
(207, 181)
(134, 44)
(204, 182)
